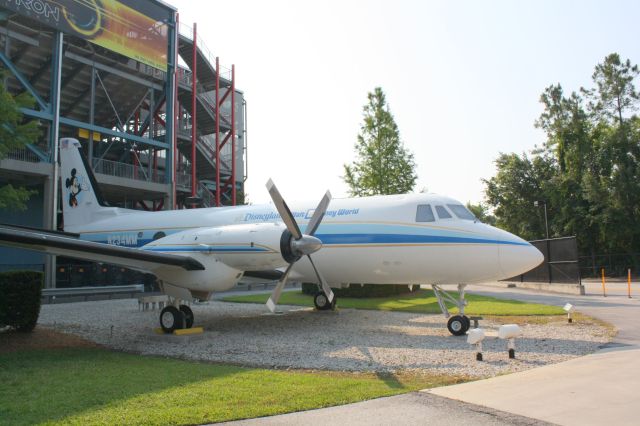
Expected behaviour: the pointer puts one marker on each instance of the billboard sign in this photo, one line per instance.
(136, 29)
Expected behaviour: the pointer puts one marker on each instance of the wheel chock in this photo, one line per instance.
(181, 332)
(188, 331)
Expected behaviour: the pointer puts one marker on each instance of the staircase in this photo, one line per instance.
(206, 111)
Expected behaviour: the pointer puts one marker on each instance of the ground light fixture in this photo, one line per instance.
(569, 308)
(509, 332)
(475, 337)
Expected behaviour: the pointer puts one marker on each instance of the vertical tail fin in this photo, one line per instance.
(81, 197)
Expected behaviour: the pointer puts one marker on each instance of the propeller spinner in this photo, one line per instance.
(294, 244)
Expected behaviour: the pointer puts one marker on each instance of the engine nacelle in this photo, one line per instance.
(246, 247)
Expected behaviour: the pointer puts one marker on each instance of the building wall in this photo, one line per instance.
(11, 258)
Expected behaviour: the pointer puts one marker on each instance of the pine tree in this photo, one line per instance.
(383, 165)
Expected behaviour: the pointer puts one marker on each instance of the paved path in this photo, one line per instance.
(416, 408)
(603, 388)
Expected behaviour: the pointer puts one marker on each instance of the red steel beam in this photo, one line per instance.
(233, 135)
(217, 113)
(194, 73)
(175, 116)
(224, 97)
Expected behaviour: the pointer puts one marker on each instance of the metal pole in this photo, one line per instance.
(194, 73)
(233, 135)
(217, 112)
(92, 113)
(546, 223)
(56, 71)
(171, 105)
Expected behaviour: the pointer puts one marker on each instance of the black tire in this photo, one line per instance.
(171, 319)
(321, 301)
(467, 322)
(188, 315)
(457, 325)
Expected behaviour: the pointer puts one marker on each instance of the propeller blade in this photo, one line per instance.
(325, 286)
(318, 214)
(284, 211)
(275, 294)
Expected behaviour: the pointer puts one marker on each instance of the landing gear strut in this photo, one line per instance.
(457, 325)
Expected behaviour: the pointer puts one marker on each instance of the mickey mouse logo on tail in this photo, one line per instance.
(73, 184)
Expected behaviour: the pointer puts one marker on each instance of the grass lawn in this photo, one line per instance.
(422, 301)
(95, 386)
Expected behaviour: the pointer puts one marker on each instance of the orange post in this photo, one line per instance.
(629, 282)
(604, 290)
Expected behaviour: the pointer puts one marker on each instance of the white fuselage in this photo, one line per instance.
(374, 240)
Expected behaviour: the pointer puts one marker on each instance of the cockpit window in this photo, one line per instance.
(442, 212)
(424, 213)
(461, 211)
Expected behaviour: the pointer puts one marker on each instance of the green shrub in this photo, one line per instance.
(367, 290)
(20, 293)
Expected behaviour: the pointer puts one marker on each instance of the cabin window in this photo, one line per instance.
(424, 213)
(461, 211)
(443, 213)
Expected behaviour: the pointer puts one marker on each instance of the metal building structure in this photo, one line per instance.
(155, 136)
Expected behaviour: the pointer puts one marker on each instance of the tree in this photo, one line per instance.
(383, 165)
(587, 171)
(481, 211)
(615, 93)
(519, 182)
(14, 134)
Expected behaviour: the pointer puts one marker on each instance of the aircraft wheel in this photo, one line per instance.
(333, 304)
(188, 315)
(321, 301)
(467, 322)
(171, 319)
(457, 325)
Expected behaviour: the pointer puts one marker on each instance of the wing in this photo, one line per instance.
(66, 244)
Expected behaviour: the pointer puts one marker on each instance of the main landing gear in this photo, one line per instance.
(172, 318)
(321, 302)
(459, 324)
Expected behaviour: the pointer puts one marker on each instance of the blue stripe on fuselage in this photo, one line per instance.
(345, 234)
(339, 239)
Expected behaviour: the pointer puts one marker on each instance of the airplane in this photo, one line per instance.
(408, 239)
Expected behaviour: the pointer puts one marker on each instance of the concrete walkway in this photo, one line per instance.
(603, 388)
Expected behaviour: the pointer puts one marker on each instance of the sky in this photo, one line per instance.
(462, 79)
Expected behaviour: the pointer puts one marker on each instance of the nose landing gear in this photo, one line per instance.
(459, 324)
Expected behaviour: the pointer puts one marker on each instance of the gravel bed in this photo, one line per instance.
(345, 340)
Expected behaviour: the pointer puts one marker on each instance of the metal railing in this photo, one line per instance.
(23, 155)
(128, 171)
(208, 199)
(187, 32)
(183, 180)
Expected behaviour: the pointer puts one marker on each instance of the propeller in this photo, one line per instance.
(294, 244)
